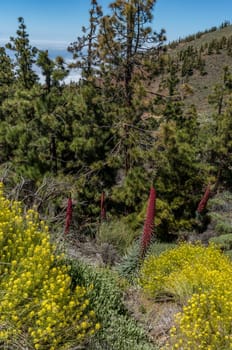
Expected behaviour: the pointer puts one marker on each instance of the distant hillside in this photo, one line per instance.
(201, 38)
(199, 61)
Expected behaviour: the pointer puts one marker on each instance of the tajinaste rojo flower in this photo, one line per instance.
(149, 222)
(68, 216)
(103, 209)
(202, 204)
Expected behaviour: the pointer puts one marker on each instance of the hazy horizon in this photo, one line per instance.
(54, 24)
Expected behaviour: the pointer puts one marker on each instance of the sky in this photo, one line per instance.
(54, 24)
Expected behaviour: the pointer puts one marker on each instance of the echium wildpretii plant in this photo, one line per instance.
(103, 209)
(149, 222)
(203, 202)
(68, 215)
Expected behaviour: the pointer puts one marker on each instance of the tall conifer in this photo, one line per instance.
(25, 56)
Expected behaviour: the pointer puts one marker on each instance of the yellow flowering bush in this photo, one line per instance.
(199, 278)
(182, 271)
(36, 298)
(206, 320)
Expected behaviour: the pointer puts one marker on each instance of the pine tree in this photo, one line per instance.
(180, 174)
(173, 78)
(84, 49)
(7, 76)
(128, 49)
(217, 97)
(25, 56)
(6, 68)
(219, 145)
(125, 39)
(47, 66)
(60, 71)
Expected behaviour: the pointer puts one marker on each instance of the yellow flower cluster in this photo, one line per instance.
(206, 320)
(200, 279)
(181, 272)
(36, 298)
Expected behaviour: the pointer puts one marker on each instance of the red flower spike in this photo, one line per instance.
(103, 210)
(68, 216)
(149, 222)
(204, 200)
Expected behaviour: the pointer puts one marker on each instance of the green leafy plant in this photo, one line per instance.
(116, 232)
(224, 241)
(130, 263)
(157, 248)
(118, 329)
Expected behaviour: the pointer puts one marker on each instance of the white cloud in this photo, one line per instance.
(58, 48)
(74, 76)
(55, 48)
(46, 44)
(3, 41)
(43, 44)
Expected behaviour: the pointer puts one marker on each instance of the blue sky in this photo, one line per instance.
(56, 23)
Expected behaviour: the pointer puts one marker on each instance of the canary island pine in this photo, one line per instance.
(37, 302)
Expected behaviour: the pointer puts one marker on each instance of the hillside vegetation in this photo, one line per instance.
(144, 269)
(199, 61)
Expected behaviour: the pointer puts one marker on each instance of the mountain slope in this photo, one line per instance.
(199, 61)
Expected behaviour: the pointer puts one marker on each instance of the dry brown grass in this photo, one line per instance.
(155, 317)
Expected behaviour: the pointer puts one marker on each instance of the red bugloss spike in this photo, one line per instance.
(149, 221)
(68, 216)
(103, 210)
(204, 200)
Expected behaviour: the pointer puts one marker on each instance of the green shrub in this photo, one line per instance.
(220, 213)
(229, 254)
(118, 330)
(224, 241)
(158, 248)
(116, 232)
(221, 203)
(122, 333)
(223, 227)
(130, 264)
(106, 294)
